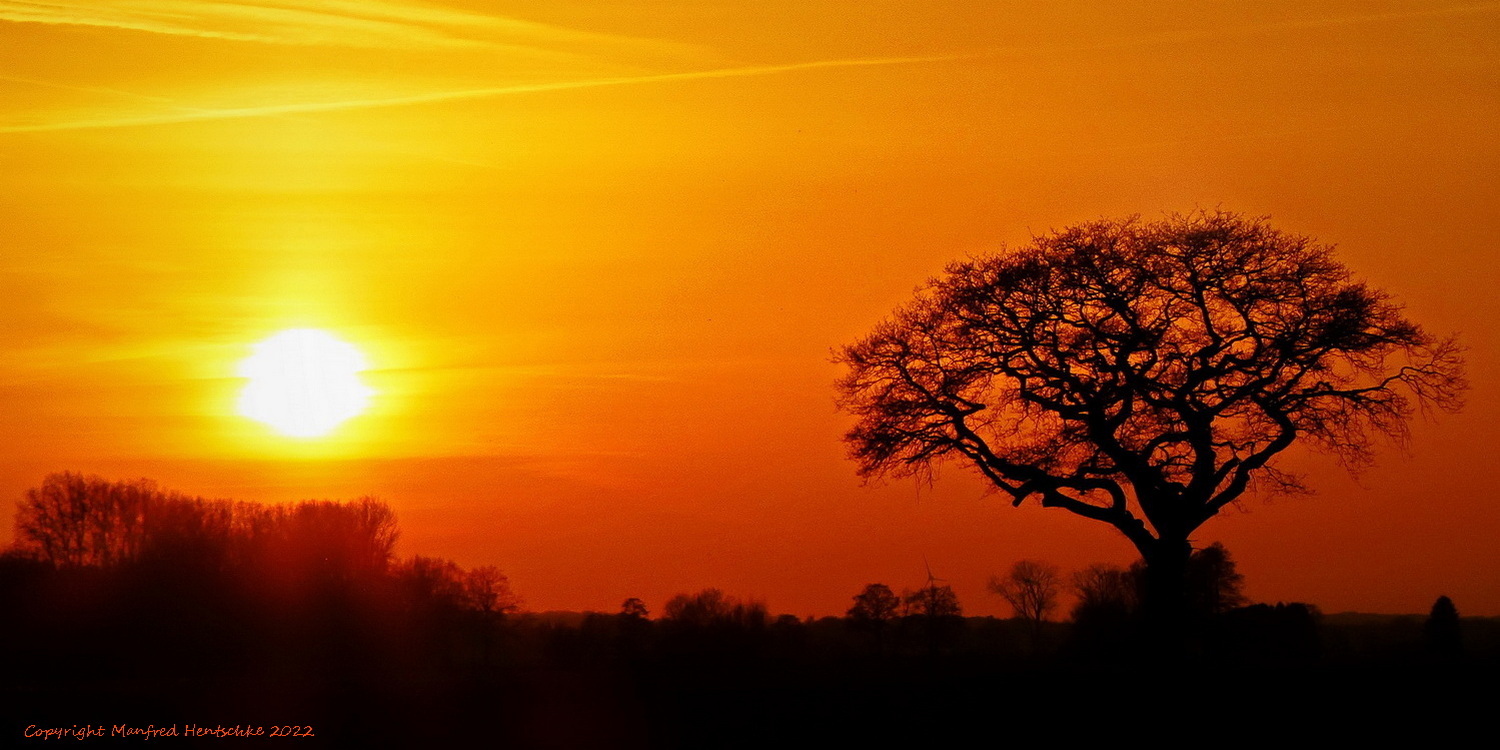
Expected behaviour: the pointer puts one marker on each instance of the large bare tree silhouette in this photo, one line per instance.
(1142, 374)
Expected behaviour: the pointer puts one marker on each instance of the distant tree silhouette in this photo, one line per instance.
(634, 609)
(487, 591)
(123, 578)
(1213, 584)
(713, 624)
(1142, 374)
(1031, 588)
(433, 580)
(632, 626)
(339, 538)
(74, 520)
(191, 532)
(874, 609)
(712, 608)
(486, 599)
(1105, 592)
(1263, 634)
(934, 610)
(1441, 632)
(1104, 616)
(1109, 595)
(875, 604)
(931, 601)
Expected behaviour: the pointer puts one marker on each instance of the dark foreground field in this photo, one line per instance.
(294, 625)
(589, 682)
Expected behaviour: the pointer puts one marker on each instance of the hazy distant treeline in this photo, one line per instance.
(110, 578)
(122, 573)
(129, 597)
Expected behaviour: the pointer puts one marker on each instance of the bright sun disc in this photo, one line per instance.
(303, 382)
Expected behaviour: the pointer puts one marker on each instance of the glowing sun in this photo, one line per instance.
(303, 382)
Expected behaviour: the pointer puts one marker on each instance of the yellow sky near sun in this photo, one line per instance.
(598, 254)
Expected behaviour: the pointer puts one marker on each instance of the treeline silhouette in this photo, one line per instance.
(124, 600)
(125, 576)
(136, 591)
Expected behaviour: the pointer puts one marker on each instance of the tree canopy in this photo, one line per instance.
(1142, 373)
(73, 520)
(1031, 588)
(875, 605)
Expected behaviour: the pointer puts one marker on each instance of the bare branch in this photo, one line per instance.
(1142, 373)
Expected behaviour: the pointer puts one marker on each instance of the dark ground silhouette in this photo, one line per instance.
(169, 611)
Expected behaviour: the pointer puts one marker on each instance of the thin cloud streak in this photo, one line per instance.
(413, 13)
(469, 94)
(1290, 25)
(84, 89)
(227, 21)
(336, 23)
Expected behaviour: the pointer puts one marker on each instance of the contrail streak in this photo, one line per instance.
(465, 94)
(201, 115)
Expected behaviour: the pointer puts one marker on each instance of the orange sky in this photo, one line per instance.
(598, 256)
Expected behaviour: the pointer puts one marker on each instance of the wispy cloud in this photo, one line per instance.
(182, 115)
(1271, 27)
(84, 89)
(338, 23)
(397, 23)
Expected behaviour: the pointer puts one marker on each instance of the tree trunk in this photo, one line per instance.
(1164, 600)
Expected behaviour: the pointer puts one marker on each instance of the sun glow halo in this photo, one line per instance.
(304, 382)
